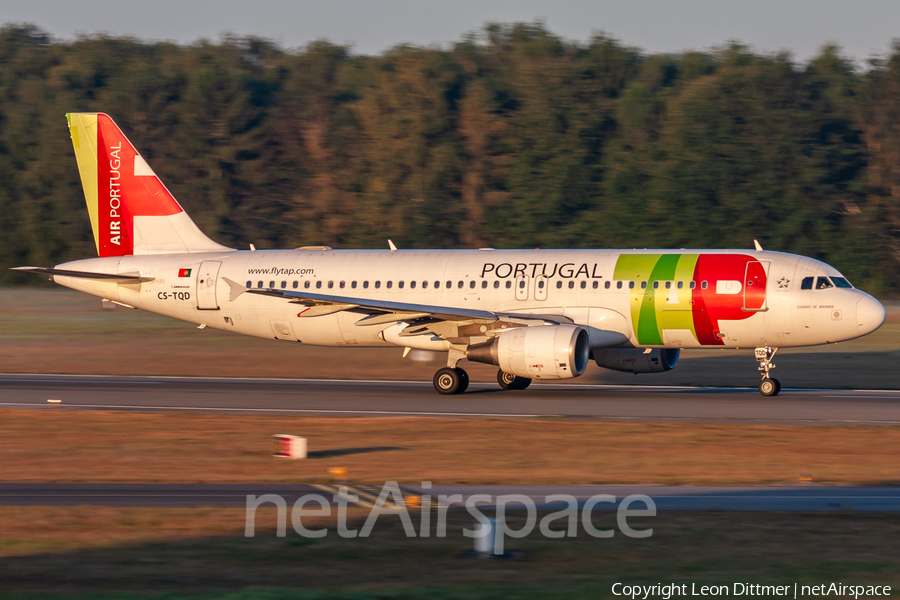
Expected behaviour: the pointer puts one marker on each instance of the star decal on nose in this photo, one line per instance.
(784, 283)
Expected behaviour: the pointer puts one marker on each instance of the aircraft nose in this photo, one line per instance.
(870, 314)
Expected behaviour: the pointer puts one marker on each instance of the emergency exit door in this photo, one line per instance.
(206, 285)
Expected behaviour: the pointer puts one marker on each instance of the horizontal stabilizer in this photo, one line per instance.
(136, 278)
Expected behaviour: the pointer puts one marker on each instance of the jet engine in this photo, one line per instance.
(539, 352)
(634, 360)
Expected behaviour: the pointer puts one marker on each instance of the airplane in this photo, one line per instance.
(535, 314)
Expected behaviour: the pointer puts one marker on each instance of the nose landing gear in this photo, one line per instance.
(768, 386)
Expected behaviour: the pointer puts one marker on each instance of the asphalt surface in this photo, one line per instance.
(235, 495)
(407, 398)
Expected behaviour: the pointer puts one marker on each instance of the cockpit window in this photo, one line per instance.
(841, 282)
(823, 283)
(806, 284)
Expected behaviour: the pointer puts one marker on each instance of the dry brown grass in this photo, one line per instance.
(77, 548)
(58, 445)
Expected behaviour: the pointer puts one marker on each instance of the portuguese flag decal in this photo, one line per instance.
(184, 272)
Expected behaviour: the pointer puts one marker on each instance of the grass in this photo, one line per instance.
(54, 444)
(62, 331)
(148, 551)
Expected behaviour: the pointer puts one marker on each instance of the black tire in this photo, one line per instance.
(506, 380)
(463, 380)
(509, 381)
(447, 381)
(777, 386)
(768, 387)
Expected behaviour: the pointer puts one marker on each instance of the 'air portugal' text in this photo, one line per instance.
(115, 197)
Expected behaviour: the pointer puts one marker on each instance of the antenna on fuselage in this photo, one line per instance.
(757, 246)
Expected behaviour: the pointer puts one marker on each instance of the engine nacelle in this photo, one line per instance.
(634, 360)
(539, 352)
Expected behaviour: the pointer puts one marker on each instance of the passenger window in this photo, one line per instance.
(424, 285)
(330, 285)
(630, 285)
(297, 284)
(496, 284)
(668, 285)
(483, 284)
(508, 284)
(400, 284)
(597, 284)
(680, 284)
(412, 284)
(472, 284)
(437, 285)
(692, 284)
(365, 285)
(841, 282)
(559, 285)
(259, 284)
(249, 284)
(823, 283)
(284, 285)
(449, 284)
(306, 285)
(522, 285)
(353, 285)
(377, 284)
(807, 283)
(459, 285)
(271, 284)
(342, 284)
(643, 285)
(655, 285)
(571, 285)
(541, 284)
(390, 284)
(318, 285)
(607, 285)
(618, 285)
(704, 285)
(583, 284)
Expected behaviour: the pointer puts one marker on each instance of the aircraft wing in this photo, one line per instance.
(385, 311)
(125, 278)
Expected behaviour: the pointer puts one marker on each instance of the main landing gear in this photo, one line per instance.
(509, 381)
(768, 386)
(453, 380)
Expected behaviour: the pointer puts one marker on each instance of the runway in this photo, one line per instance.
(234, 495)
(408, 398)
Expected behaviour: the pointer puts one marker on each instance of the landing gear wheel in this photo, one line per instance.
(463, 380)
(769, 387)
(508, 381)
(451, 381)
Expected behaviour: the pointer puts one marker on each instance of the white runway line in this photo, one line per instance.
(285, 410)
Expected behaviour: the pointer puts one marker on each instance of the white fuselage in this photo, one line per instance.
(569, 283)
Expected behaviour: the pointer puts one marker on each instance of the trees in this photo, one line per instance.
(511, 138)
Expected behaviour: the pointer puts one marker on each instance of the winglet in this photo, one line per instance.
(392, 246)
(757, 246)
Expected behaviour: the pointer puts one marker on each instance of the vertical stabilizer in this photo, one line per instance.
(131, 211)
